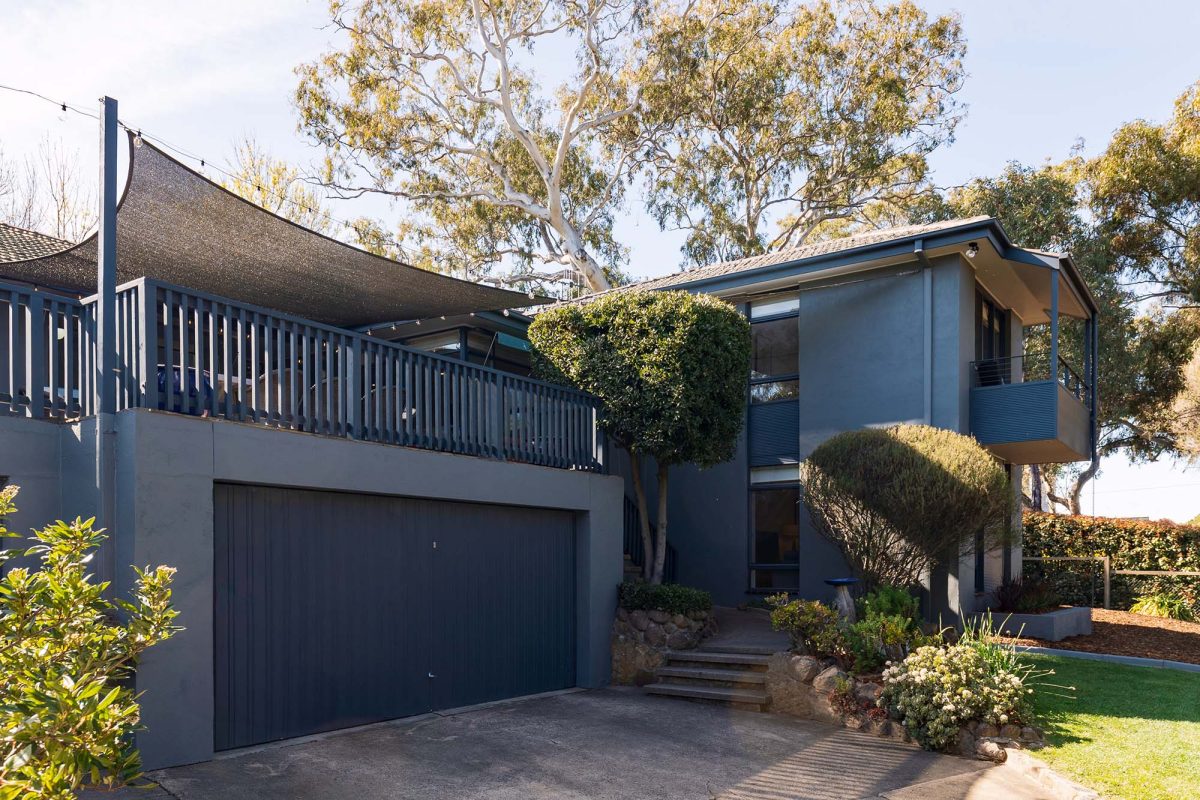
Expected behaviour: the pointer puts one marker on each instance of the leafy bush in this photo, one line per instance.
(1131, 544)
(813, 626)
(1162, 604)
(67, 714)
(890, 601)
(670, 369)
(937, 690)
(669, 597)
(1025, 596)
(897, 501)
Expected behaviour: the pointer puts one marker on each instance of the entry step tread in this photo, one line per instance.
(710, 657)
(720, 693)
(701, 674)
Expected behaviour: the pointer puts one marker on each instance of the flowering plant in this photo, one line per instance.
(937, 690)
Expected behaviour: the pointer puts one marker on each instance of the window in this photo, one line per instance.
(775, 543)
(775, 306)
(775, 352)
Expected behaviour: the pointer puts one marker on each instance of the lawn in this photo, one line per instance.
(1127, 732)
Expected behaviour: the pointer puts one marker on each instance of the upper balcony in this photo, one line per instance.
(1035, 407)
(1026, 415)
(188, 352)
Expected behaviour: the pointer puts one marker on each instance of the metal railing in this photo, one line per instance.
(188, 352)
(636, 550)
(1032, 366)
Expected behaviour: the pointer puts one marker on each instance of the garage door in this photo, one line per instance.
(334, 609)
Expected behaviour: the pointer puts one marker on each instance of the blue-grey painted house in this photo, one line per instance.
(375, 512)
(914, 324)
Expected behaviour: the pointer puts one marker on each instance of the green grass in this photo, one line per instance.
(1127, 732)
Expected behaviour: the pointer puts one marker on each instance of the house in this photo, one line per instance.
(914, 324)
(375, 512)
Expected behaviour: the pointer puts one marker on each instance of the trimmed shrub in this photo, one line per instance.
(669, 597)
(1131, 544)
(899, 500)
(813, 626)
(1162, 604)
(670, 369)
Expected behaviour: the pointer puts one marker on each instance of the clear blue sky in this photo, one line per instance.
(1041, 76)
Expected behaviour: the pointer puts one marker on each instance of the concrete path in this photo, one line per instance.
(746, 631)
(609, 743)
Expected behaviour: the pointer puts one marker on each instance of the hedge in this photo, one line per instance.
(669, 597)
(1131, 544)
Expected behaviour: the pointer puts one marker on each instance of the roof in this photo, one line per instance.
(176, 226)
(19, 244)
(794, 254)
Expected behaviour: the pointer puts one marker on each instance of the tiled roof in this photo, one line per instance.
(794, 254)
(18, 244)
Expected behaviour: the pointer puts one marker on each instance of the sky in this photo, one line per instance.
(1042, 76)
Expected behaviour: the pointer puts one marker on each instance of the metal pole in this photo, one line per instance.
(1107, 582)
(106, 334)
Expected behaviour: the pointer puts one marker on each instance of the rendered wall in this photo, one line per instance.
(166, 467)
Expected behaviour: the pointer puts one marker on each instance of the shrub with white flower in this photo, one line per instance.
(938, 689)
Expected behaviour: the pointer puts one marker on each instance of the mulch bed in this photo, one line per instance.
(1123, 633)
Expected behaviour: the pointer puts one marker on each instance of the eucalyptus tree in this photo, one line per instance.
(795, 115)
(506, 152)
(275, 185)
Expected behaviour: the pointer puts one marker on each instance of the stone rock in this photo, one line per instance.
(639, 620)
(622, 614)
(633, 662)
(679, 621)
(669, 628)
(867, 693)
(788, 695)
(805, 668)
(986, 731)
(1028, 734)
(679, 640)
(991, 751)
(827, 680)
(658, 616)
(1010, 732)
(966, 743)
(853, 721)
(655, 636)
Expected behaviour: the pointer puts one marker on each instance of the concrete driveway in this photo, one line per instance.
(610, 743)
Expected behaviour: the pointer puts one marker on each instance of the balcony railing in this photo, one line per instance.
(1033, 366)
(191, 353)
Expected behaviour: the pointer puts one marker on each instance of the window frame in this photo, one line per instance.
(753, 566)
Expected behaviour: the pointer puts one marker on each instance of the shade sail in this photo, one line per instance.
(175, 225)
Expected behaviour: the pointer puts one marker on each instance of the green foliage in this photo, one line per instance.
(890, 601)
(1131, 544)
(670, 368)
(67, 714)
(1163, 604)
(796, 113)
(1025, 596)
(938, 689)
(669, 597)
(813, 626)
(899, 500)
(888, 629)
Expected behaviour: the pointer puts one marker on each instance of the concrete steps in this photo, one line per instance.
(735, 679)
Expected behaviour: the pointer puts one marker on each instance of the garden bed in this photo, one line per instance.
(1053, 625)
(1123, 633)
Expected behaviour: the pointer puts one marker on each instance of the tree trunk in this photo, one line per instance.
(1035, 487)
(660, 546)
(581, 259)
(639, 492)
(1081, 480)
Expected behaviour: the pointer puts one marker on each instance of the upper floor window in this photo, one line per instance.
(775, 353)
